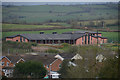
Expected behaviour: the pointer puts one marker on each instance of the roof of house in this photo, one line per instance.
(80, 32)
(99, 37)
(7, 67)
(49, 36)
(14, 58)
(67, 55)
(46, 59)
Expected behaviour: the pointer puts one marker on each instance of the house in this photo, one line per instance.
(74, 37)
(51, 63)
(8, 63)
(100, 58)
(72, 56)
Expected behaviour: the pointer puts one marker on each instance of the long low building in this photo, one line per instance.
(74, 37)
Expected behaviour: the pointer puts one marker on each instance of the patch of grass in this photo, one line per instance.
(112, 36)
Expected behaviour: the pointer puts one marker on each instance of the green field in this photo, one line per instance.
(112, 36)
(20, 26)
(49, 13)
(5, 34)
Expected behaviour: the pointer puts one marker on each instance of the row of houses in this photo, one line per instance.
(74, 37)
(52, 63)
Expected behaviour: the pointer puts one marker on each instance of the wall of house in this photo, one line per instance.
(94, 40)
(17, 38)
(90, 40)
(105, 40)
(9, 39)
(5, 60)
(54, 66)
(99, 40)
(79, 41)
(98, 34)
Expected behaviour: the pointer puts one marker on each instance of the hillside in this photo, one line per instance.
(37, 14)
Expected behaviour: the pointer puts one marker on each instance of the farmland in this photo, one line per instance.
(19, 27)
(37, 14)
(60, 18)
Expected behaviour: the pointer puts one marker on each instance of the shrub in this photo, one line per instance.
(52, 51)
(34, 44)
(65, 44)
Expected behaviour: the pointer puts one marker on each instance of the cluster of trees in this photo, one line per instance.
(29, 69)
(88, 67)
(107, 69)
(17, 47)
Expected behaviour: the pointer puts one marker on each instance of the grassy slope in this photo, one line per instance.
(43, 13)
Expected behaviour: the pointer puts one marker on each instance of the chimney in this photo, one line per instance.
(41, 32)
(54, 32)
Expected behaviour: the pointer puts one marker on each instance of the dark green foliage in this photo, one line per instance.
(71, 49)
(17, 47)
(88, 67)
(34, 44)
(65, 44)
(52, 51)
(63, 69)
(30, 69)
(110, 69)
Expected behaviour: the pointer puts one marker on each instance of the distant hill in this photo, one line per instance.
(58, 13)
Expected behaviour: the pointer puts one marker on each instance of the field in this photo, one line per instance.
(37, 14)
(20, 26)
(34, 18)
(112, 36)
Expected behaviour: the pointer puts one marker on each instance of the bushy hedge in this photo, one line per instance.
(65, 44)
(20, 45)
(52, 51)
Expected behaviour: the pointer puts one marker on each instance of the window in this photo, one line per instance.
(20, 39)
(16, 40)
(59, 65)
(85, 39)
(88, 39)
(24, 39)
(47, 66)
(82, 39)
(3, 63)
(7, 63)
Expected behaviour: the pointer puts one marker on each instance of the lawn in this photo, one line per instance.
(112, 36)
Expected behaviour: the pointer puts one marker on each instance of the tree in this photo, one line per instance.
(89, 67)
(110, 69)
(63, 69)
(30, 69)
(91, 24)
